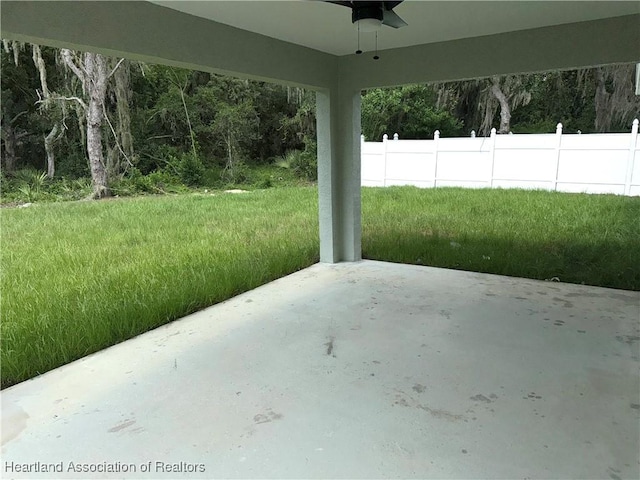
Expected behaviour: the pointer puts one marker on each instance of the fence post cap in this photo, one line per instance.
(395, 136)
(436, 134)
(493, 132)
(635, 122)
(473, 134)
(385, 137)
(559, 127)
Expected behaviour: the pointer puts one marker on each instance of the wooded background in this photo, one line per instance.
(76, 115)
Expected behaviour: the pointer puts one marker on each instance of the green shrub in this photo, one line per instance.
(303, 163)
(190, 169)
(212, 177)
(239, 173)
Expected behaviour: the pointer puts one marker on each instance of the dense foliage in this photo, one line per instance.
(164, 129)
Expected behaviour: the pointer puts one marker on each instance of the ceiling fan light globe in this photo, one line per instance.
(368, 24)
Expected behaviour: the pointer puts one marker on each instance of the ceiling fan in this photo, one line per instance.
(369, 16)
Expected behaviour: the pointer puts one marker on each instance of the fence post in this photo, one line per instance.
(436, 142)
(492, 152)
(554, 180)
(385, 139)
(631, 158)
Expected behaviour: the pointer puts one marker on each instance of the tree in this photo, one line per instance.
(616, 104)
(122, 96)
(92, 71)
(477, 102)
(18, 103)
(49, 101)
(410, 111)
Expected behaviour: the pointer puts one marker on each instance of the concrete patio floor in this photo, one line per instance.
(354, 370)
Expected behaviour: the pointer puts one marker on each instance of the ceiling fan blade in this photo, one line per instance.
(392, 19)
(391, 5)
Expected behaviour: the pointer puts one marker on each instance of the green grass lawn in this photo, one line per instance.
(80, 276)
(578, 238)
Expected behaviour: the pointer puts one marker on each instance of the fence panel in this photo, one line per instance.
(591, 163)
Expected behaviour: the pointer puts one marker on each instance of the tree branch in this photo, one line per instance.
(68, 99)
(115, 136)
(17, 116)
(115, 68)
(69, 61)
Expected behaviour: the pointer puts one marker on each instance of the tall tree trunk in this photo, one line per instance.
(95, 66)
(48, 147)
(123, 93)
(10, 141)
(505, 110)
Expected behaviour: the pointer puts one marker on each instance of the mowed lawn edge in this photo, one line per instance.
(80, 276)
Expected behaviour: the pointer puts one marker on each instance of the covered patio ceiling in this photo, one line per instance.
(307, 43)
(326, 27)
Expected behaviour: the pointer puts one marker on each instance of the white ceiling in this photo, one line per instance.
(328, 28)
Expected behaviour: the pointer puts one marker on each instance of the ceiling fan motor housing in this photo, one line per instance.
(367, 10)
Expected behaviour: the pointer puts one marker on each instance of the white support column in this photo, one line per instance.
(338, 122)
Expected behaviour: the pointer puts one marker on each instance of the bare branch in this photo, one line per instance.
(17, 116)
(67, 57)
(68, 99)
(40, 66)
(115, 136)
(115, 68)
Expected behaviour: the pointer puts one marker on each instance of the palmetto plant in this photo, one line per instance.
(31, 183)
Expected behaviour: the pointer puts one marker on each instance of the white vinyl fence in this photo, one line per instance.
(592, 163)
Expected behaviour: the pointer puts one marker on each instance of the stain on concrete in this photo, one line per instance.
(267, 417)
(628, 339)
(464, 450)
(14, 421)
(418, 388)
(613, 473)
(565, 303)
(121, 426)
(480, 398)
(613, 295)
(443, 414)
(330, 346)
(558, 323)
(405, 400)
(532, 396)
(635, 406)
